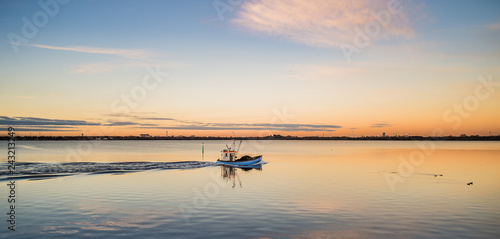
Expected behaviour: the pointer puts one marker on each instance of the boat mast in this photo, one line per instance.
(234, 145)
(238, 148)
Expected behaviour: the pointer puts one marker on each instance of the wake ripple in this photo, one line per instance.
(34, 170)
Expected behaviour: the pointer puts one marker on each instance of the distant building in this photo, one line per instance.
(145, 136)
(383, 134)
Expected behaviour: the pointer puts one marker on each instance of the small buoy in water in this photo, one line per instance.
(470, 183)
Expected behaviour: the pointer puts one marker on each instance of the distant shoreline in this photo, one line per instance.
(275, 137)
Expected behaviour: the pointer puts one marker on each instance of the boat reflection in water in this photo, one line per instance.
(229, 173)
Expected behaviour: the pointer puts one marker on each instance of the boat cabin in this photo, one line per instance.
(228, 155)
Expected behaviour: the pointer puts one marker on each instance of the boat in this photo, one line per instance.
(229, 156)
(243, 161)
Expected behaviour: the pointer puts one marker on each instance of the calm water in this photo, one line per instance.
(307, 189)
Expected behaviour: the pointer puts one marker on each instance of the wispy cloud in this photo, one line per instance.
(60, 123)
(126, 123)
(138, 116)
(126, 53)
(98, 67)
(258, 126)
(322, 23)
(196, 125)
(31, 121)
(311, 126)
(44, 124)
(156, 118)
(41, 129)
(125, 58)
(380, 125)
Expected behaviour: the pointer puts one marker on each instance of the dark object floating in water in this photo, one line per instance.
(470, 183)
(435, 175)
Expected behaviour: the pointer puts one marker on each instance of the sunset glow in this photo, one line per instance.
(255, 68)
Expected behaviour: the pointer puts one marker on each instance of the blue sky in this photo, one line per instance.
(263, 57)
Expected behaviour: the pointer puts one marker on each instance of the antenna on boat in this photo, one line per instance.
(234, 137)
(238, 148)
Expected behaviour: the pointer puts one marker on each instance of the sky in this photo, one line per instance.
(252, 68)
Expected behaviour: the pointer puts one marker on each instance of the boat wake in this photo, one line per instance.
(48, 170)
